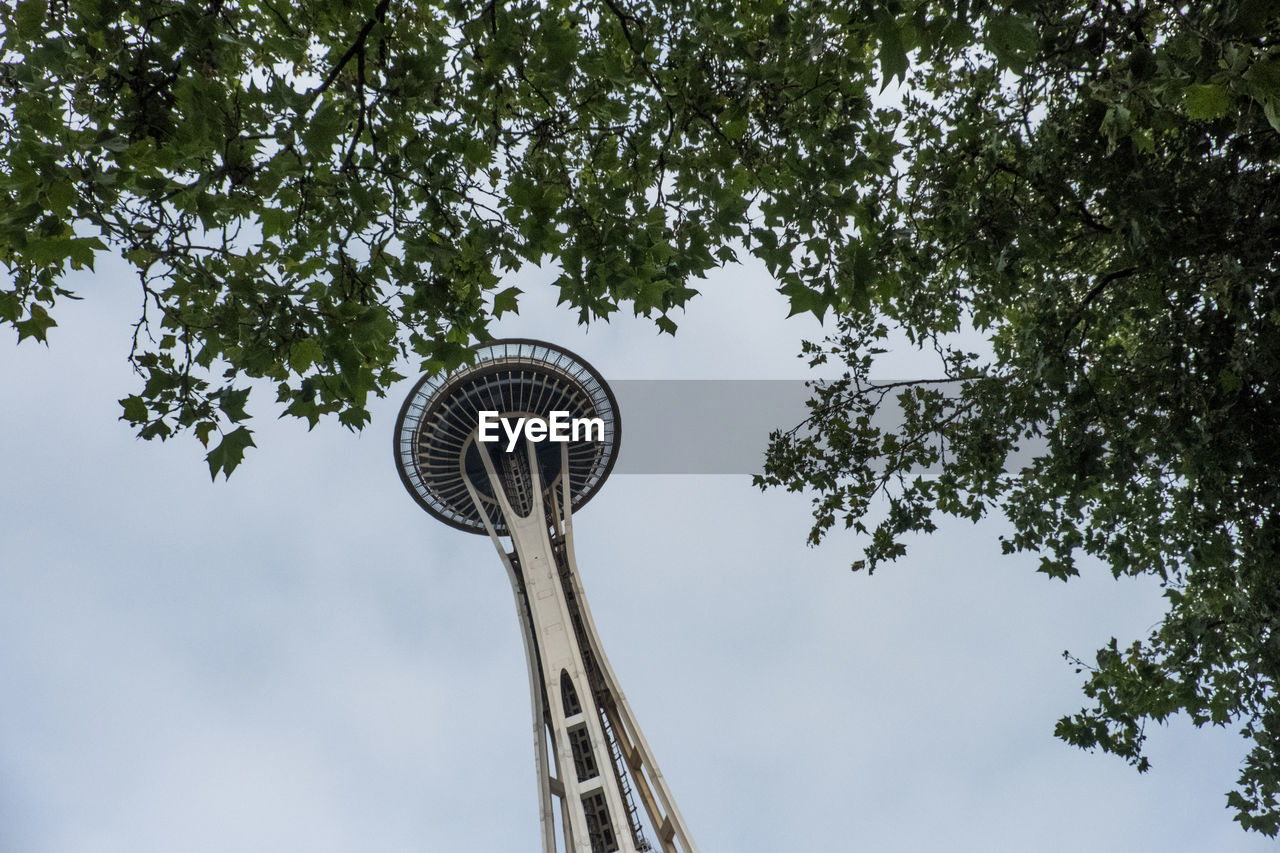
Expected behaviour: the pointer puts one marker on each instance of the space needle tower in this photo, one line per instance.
(511, 446)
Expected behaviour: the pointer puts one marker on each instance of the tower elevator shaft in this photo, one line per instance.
(591, 756)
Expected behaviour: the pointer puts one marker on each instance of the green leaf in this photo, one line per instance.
(10, 306)
(804, 299)
(275, 221)
(505, 301)
(1012, 39)
(735, 128)
(1271, 109)
(324, 126)
(28, 18)
(80, 250)
(1207, 101)
(204, 429)
(893, 53)
(303, 354)
(1264, 78)
(232, 402)
(36, 325)
(229, 453)
(135, 409)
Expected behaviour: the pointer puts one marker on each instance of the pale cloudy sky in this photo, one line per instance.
(302, 660)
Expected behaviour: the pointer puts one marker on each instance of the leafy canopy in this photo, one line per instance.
(311, 191)
(1094, 189)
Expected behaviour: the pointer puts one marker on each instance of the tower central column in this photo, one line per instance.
(594, 768)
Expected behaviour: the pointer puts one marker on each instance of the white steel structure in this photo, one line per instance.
(592, 759)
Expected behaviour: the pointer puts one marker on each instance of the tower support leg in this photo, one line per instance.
(597, 754)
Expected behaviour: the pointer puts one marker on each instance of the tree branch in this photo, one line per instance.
(1093, 294)
(379, 15)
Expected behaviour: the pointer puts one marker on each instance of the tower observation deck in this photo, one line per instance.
(464, 463)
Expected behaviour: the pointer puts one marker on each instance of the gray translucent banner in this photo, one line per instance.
(703, 426)
(721, 426)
